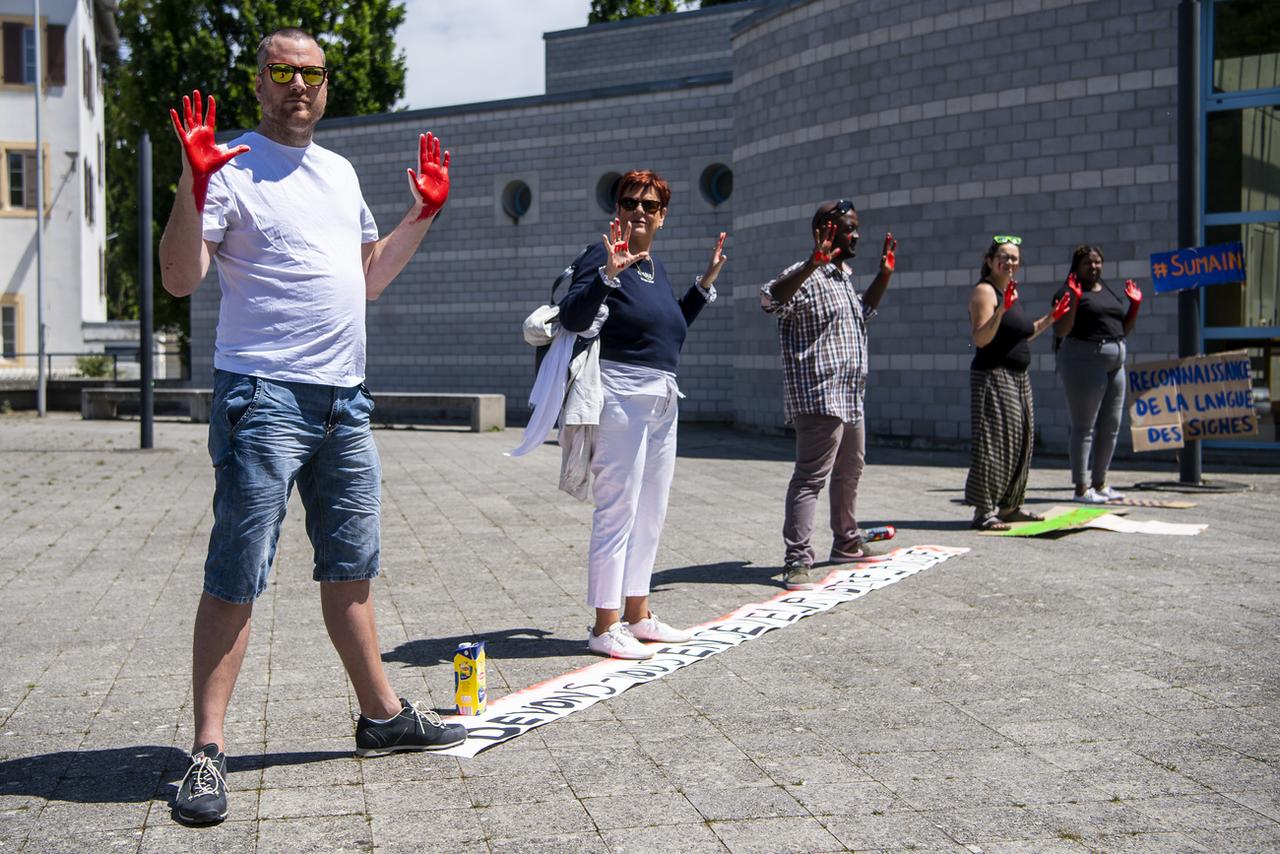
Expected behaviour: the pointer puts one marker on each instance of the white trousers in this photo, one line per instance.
(634, 460)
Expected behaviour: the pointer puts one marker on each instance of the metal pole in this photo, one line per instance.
(145, 268)
(1189, 201)
(42, 374)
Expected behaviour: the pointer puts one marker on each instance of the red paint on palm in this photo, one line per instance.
(1010, 294)
(1062, 307)
(431, 181)
(203, 153)
(888, 259)
(1133, 292)
(1073, 285)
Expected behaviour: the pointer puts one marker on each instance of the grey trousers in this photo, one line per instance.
(1092, 375)
(825, 447)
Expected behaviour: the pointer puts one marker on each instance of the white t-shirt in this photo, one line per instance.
(290, 223)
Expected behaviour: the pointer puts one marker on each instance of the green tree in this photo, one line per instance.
(171, 47)
(616, 10)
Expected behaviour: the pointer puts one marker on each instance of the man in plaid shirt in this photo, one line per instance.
(822, 325)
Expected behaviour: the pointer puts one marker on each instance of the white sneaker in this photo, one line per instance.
(1090, 496)
(1110, 494)
(617, 642)
(653, 629)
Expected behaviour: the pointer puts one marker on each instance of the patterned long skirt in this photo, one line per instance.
(1002, 431)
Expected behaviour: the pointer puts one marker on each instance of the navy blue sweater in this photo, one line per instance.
(647, 324)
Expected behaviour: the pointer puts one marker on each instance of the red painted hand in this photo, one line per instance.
(888, 261)
(1073, 285)
(823, 237)
(620, 256)
(1133, 292)
(1062, 307)
(430, 184)
(204, 155)
(1010, 294)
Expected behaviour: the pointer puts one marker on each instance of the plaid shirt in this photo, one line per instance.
(823, 331)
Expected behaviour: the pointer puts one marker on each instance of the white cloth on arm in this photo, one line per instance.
(290, 223)
(547, 396)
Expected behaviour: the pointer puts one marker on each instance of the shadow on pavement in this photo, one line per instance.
(957, 524)
(508, 643)
(728, 572)
(126, 775)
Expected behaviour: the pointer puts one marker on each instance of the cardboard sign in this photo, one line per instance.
(519, 712)
(1196, 398)
(1056, 520)
(1198, 266)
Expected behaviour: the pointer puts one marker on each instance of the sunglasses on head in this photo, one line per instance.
(1001, 239)
(842, 207)
(630, 203)
(283, 72)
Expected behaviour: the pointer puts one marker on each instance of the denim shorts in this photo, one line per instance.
(264, 436)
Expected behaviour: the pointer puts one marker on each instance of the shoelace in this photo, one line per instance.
(622, 634)
(206, 777)
(424, 717)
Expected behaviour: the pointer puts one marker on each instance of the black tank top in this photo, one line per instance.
(1009, 348)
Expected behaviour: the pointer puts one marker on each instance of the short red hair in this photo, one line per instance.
(643, 179)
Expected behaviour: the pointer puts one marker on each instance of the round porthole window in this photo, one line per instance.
(517, 199)
(607, 192)
(716, 183)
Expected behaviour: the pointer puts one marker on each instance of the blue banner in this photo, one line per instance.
(1197, 267)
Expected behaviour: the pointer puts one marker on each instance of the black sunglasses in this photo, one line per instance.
(842, 207)
(630, 203)
(283, 72)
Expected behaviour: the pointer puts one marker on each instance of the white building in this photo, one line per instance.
(72, 139)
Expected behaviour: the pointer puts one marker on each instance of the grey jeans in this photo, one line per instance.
(825, 446)
(1092, 375)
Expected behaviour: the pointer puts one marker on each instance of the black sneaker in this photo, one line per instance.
(412, 729)
(202, 798)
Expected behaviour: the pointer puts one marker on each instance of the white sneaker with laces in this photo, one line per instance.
(1090, 496)
(653, 629)
(1110, 494)
(617, 642)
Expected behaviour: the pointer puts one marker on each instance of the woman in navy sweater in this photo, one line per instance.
(635, 450)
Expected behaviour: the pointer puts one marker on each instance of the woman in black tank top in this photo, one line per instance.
(1091, 354)
(1002, 420)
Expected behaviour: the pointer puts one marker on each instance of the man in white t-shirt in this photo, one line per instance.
(298, 255)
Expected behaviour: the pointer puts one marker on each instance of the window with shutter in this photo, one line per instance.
(8, 331)
(88, 192)
(86, 76)
(55, 44)
(29, 180)
(13, 52)
(28, 55)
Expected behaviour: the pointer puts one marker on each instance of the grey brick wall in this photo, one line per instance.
(643, 49)
(947, 122)
(451, 321)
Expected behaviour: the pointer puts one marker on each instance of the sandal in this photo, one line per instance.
(1019, 515)
(989, 523)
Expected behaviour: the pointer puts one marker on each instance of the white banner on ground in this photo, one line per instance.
(521, 711)
(1111, 522)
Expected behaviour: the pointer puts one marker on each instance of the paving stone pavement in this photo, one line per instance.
(1094, 692)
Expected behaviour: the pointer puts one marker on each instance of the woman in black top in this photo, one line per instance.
(1001, 414)
(635, 446)
(1091, 354)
